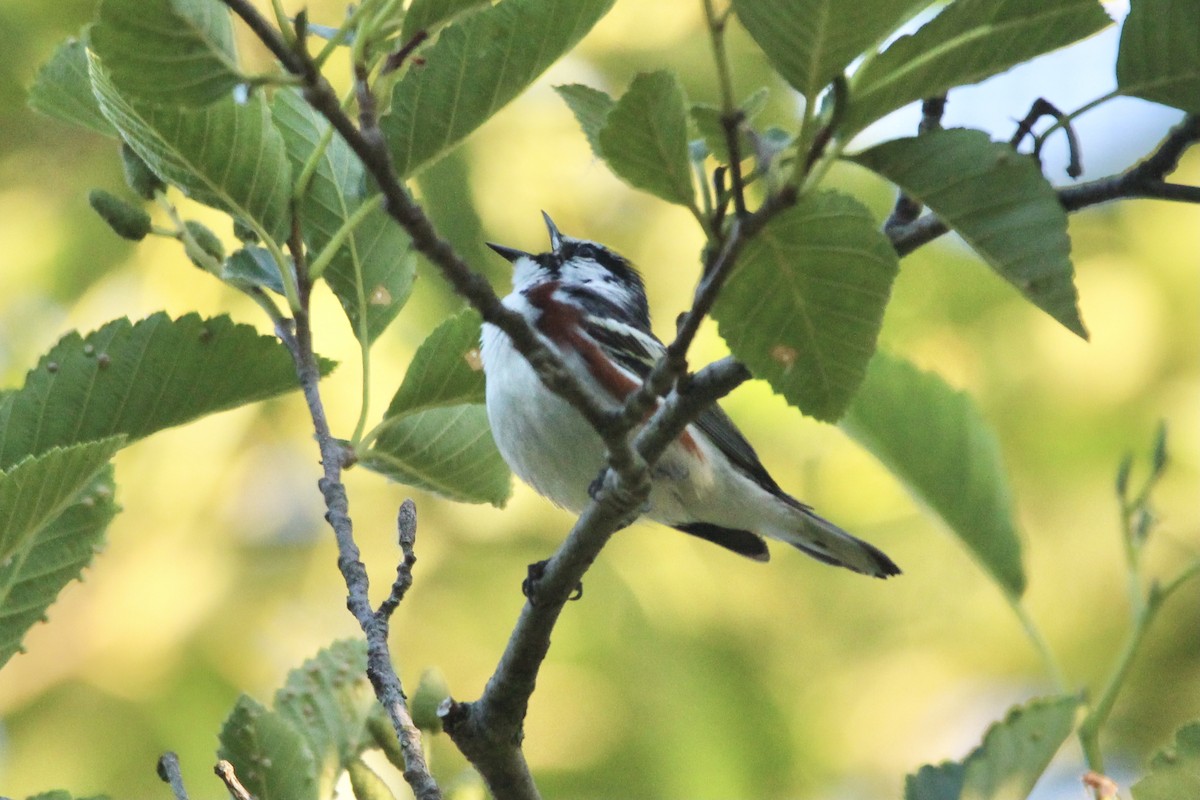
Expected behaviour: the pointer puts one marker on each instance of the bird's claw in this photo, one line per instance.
(596, 485)
(535, 573)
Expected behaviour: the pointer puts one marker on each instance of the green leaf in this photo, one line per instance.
(644, 138)
(252, 266)
(372, 272)
(935, 782)
(970, 40)
(445, 369)
(227, 155)
(1174, 772)
(328, 700)
(372, 276)
(429, 15)
(936, 442)
(1008, 763)
(446, 195)
(447, 450)
(271, 757)
(811, 42)
(63, 90)
(168, 52)
(999, 202)
(32, 577)
(1159, 56)
(1016, 752)
(590, 107)
(475, 68)
(804, 306)
(134, 379)
(39, 488)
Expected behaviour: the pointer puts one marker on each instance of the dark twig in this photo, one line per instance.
(732, 125)
(1044, 108)
(406, 524)
(170, 773)
(225, 772)
(368, 116)
(1144, 180)
(907, 208)
(396, 59)
(719, 189)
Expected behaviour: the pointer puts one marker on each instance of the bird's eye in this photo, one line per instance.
(586, 251)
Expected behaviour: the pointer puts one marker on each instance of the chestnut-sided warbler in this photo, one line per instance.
(589, 304)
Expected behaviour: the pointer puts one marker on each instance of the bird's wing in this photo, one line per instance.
(637, 351)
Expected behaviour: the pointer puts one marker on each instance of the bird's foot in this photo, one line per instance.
(534, 575)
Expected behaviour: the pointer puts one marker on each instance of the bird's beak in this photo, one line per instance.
(555, 237)
(511, 254)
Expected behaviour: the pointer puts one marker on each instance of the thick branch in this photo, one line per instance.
(488, 731)
(1144, 180)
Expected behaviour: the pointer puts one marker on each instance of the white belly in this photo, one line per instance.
(545, 441)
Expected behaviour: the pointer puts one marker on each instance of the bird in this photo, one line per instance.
(589, 305)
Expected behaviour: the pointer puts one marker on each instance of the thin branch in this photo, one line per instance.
(170, 773)
(1044, 108)
(1145, 180)
(907, 208)
(396, 59)
(406, 524)
(225, 772)
(334, 455)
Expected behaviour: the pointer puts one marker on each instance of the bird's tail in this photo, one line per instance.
(818, 537)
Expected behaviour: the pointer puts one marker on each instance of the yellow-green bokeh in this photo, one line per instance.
(685, 672)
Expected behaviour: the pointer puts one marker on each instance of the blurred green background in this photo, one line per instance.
(685, 672)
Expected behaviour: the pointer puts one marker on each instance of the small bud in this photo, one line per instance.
(126, 220)
(244, 232)
(366, 784)
(1143, 521)
(431, 691)
(1158, 458)
(1123, 476)
(138, 175)
(208, 243)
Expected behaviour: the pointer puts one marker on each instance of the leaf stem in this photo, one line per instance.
(281, 19)
(340, 35)
(318, 265)
(731, 115)
(1049, 662)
